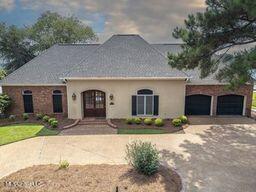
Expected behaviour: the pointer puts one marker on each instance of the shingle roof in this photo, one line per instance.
(120, 56)
(125, 56)
(194, 75)
(47, 67)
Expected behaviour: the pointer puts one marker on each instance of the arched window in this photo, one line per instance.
(57, 101)
(28, 101)
(145, 103)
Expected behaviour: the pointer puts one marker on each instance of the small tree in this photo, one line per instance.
(5, 103)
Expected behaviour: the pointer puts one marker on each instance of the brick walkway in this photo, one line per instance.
(89, 130)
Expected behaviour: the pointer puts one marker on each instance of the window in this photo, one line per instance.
(145, 102)
(57, 101)
(28, 101)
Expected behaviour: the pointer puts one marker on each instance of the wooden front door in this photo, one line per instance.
(94, 103)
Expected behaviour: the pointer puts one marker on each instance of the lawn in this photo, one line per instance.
(254, 101)
(140, 131)
(17, 132)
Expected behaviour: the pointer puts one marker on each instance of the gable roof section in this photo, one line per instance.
(47, 67)
(124, 56)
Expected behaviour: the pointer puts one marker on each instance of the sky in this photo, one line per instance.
(154, 20)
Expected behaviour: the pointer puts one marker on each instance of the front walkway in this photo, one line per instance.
(209, 158)
(89, 130)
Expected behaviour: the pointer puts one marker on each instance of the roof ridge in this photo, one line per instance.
(67, 72)
(77, 44)
(167, 43)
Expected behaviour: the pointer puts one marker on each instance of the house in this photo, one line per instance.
(123, 77)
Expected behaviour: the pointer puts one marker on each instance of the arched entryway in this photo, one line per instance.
(94, 103)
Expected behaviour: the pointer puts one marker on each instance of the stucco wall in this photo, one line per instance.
(171, 96)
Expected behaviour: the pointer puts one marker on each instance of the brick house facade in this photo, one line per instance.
(42, 98)
(219, 90)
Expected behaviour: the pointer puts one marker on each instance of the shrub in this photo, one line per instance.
(12, 117)
(143, 156)
(129, 121)
(137, 121)
(183, 119)
(54, 124)
(46, 118)
(148, 121)
(51, 120)
(5, 102)
(159, 122)
(63, 164)
(39, 116)
(25, 116)
(176, 122)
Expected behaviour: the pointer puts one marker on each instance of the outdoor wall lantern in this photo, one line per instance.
(111, 97)
(74, 96)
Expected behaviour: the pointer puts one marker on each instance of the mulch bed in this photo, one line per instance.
(61, 120)
(91, 178)
(168, 127)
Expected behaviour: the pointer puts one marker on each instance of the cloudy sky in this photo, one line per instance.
(153, 19)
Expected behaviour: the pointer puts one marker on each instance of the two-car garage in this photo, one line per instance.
(200, 104)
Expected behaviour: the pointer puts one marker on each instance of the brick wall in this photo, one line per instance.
(218, 90)
(42, 98)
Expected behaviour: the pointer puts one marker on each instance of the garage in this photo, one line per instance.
(198, 105)
(230, 105)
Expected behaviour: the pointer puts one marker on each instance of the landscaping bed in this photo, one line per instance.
(166, 128)
(95, 178)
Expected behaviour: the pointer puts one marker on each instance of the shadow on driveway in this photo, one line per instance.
(225, 162)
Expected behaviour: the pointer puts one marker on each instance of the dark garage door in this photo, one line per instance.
(198, 105)
(230, 105)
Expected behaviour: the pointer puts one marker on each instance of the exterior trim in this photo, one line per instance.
(24, 85)
(124, 78)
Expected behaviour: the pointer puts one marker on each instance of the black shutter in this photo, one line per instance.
(57, 103)
(156, 104)
(28, 103)
(134, 105)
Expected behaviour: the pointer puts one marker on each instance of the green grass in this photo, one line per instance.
(17, 132)
(140, 131)
(254, 101)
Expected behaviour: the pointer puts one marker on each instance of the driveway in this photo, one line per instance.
(209, 158)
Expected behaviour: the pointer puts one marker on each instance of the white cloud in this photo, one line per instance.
(7, 4)
(153, 19)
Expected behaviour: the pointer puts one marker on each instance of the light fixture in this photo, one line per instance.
(111, 96)
(74, 96)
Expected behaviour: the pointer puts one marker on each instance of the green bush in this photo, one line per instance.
(159, 122)
(129, 121)
(137, 121)
(25, 116)
(183, 119)
(46, 118)
(176, 122)
(148, 121)
(5, 103)
(63, 164)
(39, 116)
(54, 124)
(143, 156)
(12, 117)
(51, 120)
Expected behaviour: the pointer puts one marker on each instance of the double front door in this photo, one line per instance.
(94, 103)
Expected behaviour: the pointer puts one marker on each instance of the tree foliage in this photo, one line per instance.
(20, 45)
(224, 24)
(5, 102)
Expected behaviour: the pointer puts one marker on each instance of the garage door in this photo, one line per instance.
(198, 105)
(230, 105)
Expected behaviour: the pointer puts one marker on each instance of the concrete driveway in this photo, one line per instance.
(209, 158)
